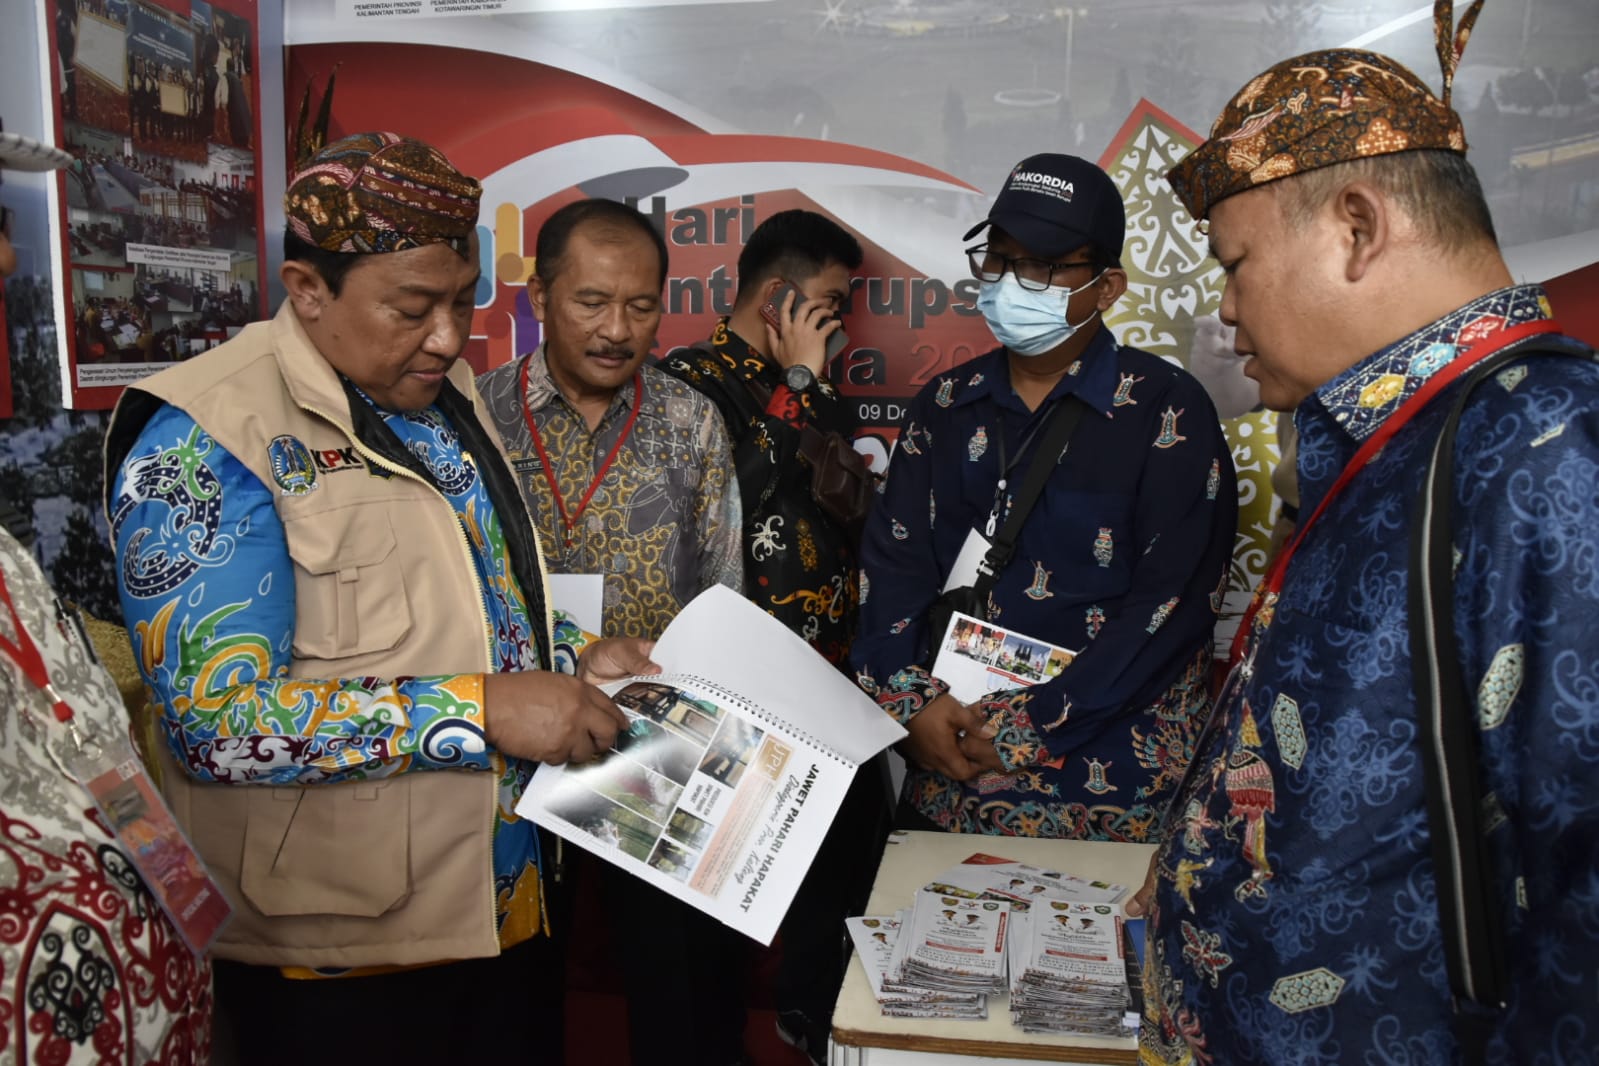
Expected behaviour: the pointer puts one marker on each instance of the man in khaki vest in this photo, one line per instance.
(337, 596)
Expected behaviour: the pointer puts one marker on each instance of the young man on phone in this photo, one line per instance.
(766, 373)
(765, 368)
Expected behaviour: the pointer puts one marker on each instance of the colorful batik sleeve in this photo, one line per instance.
(570, 641)
(207, 590)
(905, 693)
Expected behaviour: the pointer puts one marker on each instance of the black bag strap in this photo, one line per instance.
(1063, 422)
(1468, 905)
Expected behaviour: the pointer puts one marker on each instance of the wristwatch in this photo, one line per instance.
(799, 377)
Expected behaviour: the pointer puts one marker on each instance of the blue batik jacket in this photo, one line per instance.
(1295, 916)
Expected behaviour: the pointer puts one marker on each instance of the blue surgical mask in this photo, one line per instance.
(1029, 323)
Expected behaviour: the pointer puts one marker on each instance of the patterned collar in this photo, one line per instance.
(738, 354)
(541, 387)
(1092, 377)
(1363, 396)
(751, 365)
(426, 414)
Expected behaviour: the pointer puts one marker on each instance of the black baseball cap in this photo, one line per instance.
(1054, 204)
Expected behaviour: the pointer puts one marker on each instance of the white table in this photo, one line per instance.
(863, 1037)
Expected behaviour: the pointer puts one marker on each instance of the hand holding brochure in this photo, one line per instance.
(735, 761)
(977, 657)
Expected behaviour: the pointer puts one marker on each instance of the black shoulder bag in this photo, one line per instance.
(1468, 903)
(973, 599)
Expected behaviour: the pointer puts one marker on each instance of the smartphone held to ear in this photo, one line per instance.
(773, 308)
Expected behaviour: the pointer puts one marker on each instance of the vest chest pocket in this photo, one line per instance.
(349, 583)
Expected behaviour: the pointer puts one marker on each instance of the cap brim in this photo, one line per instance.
(24, 153)
(1036, 235)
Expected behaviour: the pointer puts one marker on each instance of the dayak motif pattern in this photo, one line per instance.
(98, 972)
(1301, 851)
(774, 485)
(1171, 280)
(1135, 692)
(213, 638)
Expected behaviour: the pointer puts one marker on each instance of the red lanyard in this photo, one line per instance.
(569, 521)
(1265, 597)
(25, 653)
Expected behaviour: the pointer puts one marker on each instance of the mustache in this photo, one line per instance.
(612, 351)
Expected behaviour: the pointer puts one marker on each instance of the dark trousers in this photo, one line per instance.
(906, 816)
(684, 974)
(815, 944)
(502, 1009)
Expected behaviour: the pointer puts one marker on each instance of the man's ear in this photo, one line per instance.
(769, 289)
(538, 295)
(760, 295)
(306, 288)
(1365, 222)
(1111, 286)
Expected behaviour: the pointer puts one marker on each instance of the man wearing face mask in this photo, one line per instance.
(1123, 557)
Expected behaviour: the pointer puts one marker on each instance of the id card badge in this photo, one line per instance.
(582, 598)
(972, 553)
(152, 840)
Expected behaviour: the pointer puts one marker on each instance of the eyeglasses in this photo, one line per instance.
(1034, 275)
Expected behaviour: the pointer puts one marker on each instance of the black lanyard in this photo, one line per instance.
(1006, 465)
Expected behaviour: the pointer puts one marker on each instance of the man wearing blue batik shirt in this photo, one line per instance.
(1295, 907)
(1123, 559)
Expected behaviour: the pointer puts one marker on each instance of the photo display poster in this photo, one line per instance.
(735, 762)
(159, 215)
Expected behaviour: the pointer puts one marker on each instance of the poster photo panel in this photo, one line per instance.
(159, 215)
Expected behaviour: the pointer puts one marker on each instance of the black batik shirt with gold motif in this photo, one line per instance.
(799, 564)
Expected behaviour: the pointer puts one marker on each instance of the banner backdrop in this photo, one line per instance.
(709, 118)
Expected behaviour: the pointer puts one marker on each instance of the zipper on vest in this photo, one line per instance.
(483, 616)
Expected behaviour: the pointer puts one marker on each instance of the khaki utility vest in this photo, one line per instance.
(396, 871)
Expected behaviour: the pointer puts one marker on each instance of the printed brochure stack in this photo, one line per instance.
(877, 941)
(1069, 973)
(1054, 942)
